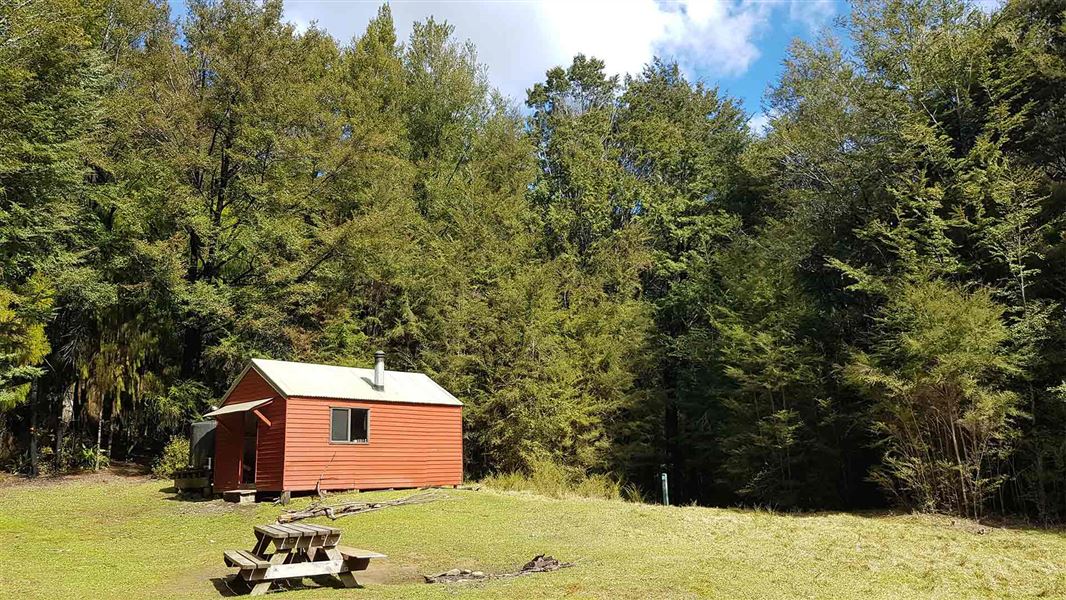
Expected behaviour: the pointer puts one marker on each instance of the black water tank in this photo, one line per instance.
(201, 443)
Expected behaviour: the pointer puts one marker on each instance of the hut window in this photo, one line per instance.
(349, 425)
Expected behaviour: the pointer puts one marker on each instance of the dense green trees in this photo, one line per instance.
(863, 305)
(51, 81)
(906, 202)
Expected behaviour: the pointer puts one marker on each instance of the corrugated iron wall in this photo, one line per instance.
(410, 445)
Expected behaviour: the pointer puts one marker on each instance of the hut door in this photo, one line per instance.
(251, 428)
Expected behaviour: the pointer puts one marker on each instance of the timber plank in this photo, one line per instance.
(258, 562)
(349, 552)
(305, 569)
(288, 531)
(303, 529)
(271, 531)
(235, 558)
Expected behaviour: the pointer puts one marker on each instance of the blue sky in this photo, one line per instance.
(737, 44)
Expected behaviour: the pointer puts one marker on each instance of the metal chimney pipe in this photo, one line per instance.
(379, 370)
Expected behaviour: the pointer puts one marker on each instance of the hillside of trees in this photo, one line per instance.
(862, 305)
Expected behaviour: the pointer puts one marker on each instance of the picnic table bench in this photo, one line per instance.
(297, 551)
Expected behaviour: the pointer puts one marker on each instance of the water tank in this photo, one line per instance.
(201, 443)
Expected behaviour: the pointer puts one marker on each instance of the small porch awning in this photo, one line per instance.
(235, 408)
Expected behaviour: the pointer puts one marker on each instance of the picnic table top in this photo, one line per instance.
(281, 532)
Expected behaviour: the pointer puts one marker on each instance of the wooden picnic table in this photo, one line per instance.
(297, 551)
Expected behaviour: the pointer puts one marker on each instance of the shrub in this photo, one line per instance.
(175, 457)
(944, 412)
(550, 479)
(46, 461)
(87, 457)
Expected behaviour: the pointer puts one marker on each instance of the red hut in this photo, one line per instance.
(287, 426)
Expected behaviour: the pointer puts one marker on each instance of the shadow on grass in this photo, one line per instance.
(969, 525)
(177, 496)
(232, 586)
(115, 472)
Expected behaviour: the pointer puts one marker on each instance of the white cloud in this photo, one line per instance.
(812, 13)
(622, 34)
(520, 40)
(759, 123)
(715, 37)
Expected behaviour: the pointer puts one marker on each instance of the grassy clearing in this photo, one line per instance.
(126, 538)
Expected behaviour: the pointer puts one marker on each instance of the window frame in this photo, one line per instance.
(348, 425)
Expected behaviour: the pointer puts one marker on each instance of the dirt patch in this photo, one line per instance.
(116, 472)
(540, 564)
(381, 572)
(971, 526)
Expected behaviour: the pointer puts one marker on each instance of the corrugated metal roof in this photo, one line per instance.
(241, 407)
(348, 383)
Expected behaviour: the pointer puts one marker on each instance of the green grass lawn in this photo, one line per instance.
(127, 538)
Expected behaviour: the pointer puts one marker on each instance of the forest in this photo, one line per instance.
(861, 305)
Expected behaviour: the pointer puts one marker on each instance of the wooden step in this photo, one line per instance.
(239, 496)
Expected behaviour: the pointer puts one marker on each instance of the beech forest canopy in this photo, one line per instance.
(862, 305)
